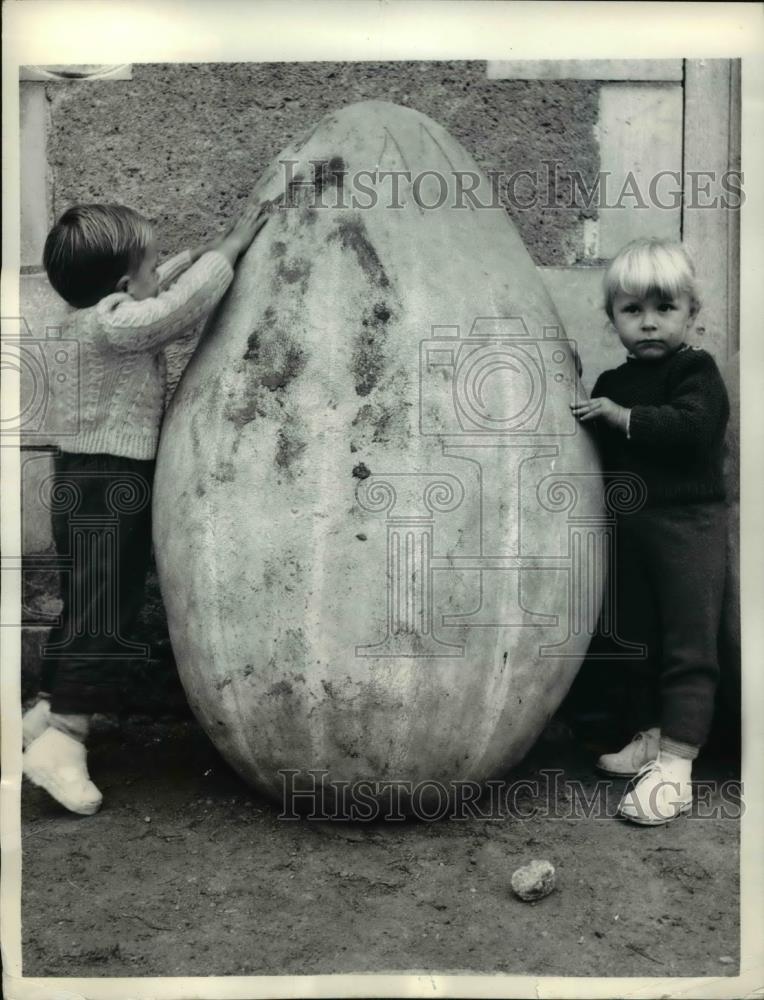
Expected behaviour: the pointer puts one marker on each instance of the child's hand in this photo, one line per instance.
(238, 235)
(602, 408)
(248, 225)
(241, 233)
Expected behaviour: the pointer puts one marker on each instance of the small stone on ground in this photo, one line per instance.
(534, 880)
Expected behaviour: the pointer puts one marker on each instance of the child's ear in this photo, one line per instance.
(122, 284)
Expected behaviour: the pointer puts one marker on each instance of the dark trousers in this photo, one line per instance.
(670, 570)
(101, 512)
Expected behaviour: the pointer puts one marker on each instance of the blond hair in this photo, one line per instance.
(651, 267)
(91, 247)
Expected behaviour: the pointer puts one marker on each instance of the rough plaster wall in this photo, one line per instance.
(185, 143)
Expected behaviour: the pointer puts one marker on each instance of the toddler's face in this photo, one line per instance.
(143, 283)
(653, 327)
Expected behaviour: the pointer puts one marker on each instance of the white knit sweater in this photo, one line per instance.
(121, 369)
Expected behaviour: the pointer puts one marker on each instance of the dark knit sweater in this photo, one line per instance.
(679, 411)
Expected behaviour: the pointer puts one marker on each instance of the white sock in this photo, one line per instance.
(680, 766)
(76, 726)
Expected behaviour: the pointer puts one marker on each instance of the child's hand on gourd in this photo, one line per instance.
(601, 408)
(237, 236)
(241, 233)
(248, 225)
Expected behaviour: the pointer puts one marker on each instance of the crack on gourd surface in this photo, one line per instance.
(196, 442)
(280, 688)
(295, 271)
(245, 412)
(269, 345)
(381, 423)
(352, 235)
(328, 688)
(224, 472)
(404, 161)
(255, 338)
(253, 347)
(293, 365)
(271, 205)
(263, 396)
(304, 139)
(329, 174)
(368, 360)
(290, 444)
(299, 191)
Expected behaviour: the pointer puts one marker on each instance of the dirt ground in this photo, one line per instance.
(187, 871)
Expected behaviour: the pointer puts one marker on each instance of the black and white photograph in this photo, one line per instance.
(372, 479)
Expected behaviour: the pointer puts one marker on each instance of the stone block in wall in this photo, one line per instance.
(48, 364)
(36, 469)
(33, 120)
(585, 69)
(640, 131)
(155, 142)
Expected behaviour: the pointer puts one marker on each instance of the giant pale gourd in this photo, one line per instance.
(376, 521)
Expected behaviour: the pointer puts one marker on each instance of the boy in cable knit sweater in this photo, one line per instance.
(661, 418)
(102, 259)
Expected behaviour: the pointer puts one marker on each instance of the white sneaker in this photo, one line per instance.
(34, 722)
(627, 762)
(57, 763)
(662, 792)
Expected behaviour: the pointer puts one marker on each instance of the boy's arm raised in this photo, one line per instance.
(171, 269)
(130, 325)
(147, 325)
(239, 235)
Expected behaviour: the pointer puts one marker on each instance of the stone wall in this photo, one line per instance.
(184, 143)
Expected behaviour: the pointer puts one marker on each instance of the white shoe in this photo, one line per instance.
(34, 722)
(628, 762)
(57, 763)
(662, 792)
